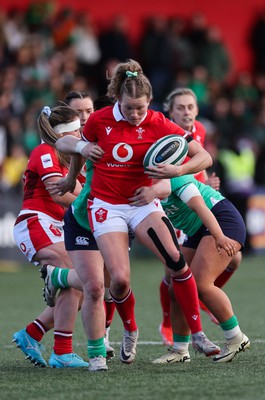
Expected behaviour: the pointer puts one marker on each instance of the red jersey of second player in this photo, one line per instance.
(43, 164)
(120, 171)
(198, 133)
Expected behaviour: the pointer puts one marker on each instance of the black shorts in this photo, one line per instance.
(75, 236)
(230, 221)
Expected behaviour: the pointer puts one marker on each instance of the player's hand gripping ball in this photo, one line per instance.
(171, 149)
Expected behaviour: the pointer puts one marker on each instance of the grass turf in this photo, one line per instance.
(243, 378)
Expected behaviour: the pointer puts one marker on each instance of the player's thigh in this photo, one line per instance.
(207, 264)
(156, 233)
(54, 254)
(114, 249)
(89, 265)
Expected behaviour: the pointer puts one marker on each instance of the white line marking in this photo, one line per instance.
(147, 343)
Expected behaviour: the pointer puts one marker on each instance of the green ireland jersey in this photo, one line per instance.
(79, 205)
(181, 216)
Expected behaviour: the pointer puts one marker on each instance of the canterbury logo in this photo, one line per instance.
(108, 130)
(81, 241)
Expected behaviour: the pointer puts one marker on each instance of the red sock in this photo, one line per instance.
(36, 330)
(125, 308)
(186, 293)
(165, 303)
(110, 307)
(224, 277)
(62, 342)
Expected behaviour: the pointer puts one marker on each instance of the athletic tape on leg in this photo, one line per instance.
(174, 265)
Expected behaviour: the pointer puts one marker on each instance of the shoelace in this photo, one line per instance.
(129, 343)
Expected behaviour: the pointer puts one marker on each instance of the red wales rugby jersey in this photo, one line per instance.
(120, 171)
(198, 133)
(43, 163)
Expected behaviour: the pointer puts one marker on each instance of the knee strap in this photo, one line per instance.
(175, 265)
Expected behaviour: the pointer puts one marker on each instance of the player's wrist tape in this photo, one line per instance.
(80, 145)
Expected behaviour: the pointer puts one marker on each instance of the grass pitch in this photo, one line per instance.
(243, 378)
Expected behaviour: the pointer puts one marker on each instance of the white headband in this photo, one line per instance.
(70, 127)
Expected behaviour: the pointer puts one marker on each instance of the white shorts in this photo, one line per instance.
(105, 217)
(34, 231)
(181, 236)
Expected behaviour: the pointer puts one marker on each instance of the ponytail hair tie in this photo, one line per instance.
(47, 111)
(131, 74)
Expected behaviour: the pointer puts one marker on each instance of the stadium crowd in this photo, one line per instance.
(46, 52)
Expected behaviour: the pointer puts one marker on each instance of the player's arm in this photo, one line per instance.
(71, 145)
(145, 194)
(199, 160)
(197, 204)
(69, 182)
(65, 199)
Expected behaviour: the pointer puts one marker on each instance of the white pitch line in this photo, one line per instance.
(146, 343)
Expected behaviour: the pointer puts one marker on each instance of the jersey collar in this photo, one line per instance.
(118, 115)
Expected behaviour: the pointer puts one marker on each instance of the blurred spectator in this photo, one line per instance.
(199, 84)
(115, 47)
(259, 82)
(259, 175)
(220, 117)
(154, 53)
(197, 32)
(245, 89)
(15, 30)
(114, 41)
(39, 16)
(13, 169)
(240, 120)
(257, 42)
(31, 138)
(62, 28)
(257, 132)
(87, 49)
(238, 163)
(213, 55)
(3, 148)
(181, 50)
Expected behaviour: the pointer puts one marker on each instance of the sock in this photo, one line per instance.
(186, 293)
(181, 343)
(36, 330)
(224, 277)
(125, 308)
(110, 307)
(165, 303)
(96, 348)
(59, 277)
(230, 327)
(62, 342)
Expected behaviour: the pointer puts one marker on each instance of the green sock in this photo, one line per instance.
(96, 348)
(181, 338)
(230, 328)
(59, 277)
(231, 323)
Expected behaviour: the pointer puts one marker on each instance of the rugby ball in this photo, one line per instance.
(170, 149)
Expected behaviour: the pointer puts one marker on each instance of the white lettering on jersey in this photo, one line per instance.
(108, 130)
(122, 152)
(46, 160)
